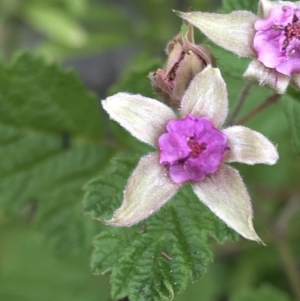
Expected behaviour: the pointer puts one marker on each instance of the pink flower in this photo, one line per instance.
(185, 60)
(276, 40)
(192, 148)
(273, 38)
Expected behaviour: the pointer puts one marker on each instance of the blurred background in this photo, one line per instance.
(97, 37)
(102, 40)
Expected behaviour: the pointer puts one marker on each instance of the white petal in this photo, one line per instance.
(264, 76)
(207, 96)
(145, 118)
(148, 188)
(225, 194)
(248, 146)
(234, 31)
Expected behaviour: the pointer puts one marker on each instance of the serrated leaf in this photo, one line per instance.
(291, 109)
(265, 292)
(231, 5)
(152, 260)
(51, 139)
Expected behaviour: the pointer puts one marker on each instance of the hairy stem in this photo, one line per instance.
(268, 101)
(242, 98)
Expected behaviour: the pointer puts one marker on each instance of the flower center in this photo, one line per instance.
(293, 30)
(191, 148)
(196, 148)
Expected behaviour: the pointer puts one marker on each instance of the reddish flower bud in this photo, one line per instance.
(185, 61)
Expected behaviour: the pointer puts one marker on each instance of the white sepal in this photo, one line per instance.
(145, 118)
(248, 146)
(225, 194)
(148, 188)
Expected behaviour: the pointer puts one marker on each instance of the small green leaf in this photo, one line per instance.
(184, 29)
(154, 259)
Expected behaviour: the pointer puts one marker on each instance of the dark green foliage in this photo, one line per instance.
(154, 259)
(51, 135)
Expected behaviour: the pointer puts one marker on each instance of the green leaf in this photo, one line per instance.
(51, 139)
(265, 292)
(291, 109)
(231, 5)
(154, 259)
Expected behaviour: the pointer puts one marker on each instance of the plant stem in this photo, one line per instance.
(242, 98)
(268, 101)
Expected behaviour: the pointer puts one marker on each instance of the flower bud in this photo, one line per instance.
(185, 61)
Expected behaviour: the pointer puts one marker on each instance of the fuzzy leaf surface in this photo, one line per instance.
(51, 139)
(154, 259)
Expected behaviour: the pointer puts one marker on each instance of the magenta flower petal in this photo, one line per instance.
(173, 147)
(192, 148)
(268, 47)
(278, 17)
(292, 65)
(297, 11)
(187, 127)
(181, 173)
(276, 41)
